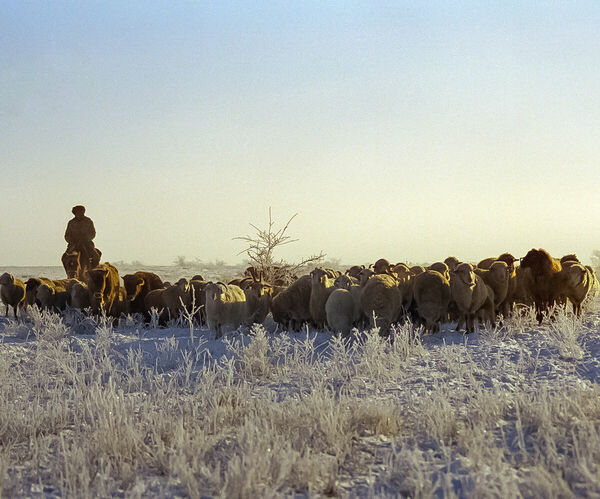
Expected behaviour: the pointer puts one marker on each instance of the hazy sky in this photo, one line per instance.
(404, 130)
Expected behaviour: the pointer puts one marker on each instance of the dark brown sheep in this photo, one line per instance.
(52, 296)
(290, 307)
(546, 281)
(440, 267)
(198, 298)
(382, 266)
(452, 262)
(486, 262)
(137, 286)
(258, 300)
(416, 270)
(103, 287)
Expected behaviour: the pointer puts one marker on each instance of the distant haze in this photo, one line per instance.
(405, 130)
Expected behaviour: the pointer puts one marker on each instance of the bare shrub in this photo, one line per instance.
(381, 359)
(564, 333)
(408, 472)
(261, 248)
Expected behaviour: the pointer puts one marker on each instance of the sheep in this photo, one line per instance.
(290, 307)
(523, 278)
(431, 291)
(252, 272)
(103, 288)
(365, 275)
(508, 259)
(487, 312)
(355, 271)
(380, 301)
(321, 288)
(546, 285)
(486, 262)
(332, 274)
(241, 282)
(33, 283)
(198, 298)
(382, 266)
(258, 299)
(569, 258)
(177, 298)
(78, 295)
(416, 270)
(469, 292)
(31, 286)
(578, 284)
(401, 269)
(154, 301)
(452, 262)
(52, 297)
(506, 306)
(404, 278)
(12, 292)
(225, 305)
(275, 290)
(595, 288)
(339, 310)
(440, 267)
(345, 281)
(137, 286)
(496, 276)
(351, 285)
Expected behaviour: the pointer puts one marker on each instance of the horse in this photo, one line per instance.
(77, 265)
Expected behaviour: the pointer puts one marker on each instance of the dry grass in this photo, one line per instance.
(128, 411)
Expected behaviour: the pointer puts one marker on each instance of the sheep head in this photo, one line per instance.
(501, 270)
(133, 285)
(7, 279)
(576, 274)
(464, 274)
(343, 282)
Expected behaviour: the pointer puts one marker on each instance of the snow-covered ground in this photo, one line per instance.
(92, 409)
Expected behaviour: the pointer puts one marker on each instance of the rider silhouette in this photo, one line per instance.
(80, 232)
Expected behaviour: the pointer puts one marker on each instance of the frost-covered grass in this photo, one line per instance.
(92, 409)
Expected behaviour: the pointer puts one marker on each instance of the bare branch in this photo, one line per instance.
(261, 247)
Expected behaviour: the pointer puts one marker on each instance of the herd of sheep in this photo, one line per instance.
(374, 296)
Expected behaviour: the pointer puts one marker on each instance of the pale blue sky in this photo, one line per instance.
(404, 130)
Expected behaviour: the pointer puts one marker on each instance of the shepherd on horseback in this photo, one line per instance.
(81, 253)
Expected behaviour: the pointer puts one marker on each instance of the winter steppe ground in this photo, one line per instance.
(131, 410)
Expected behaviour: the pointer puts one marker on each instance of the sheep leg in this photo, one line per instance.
(470, 323)
(460, 322)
